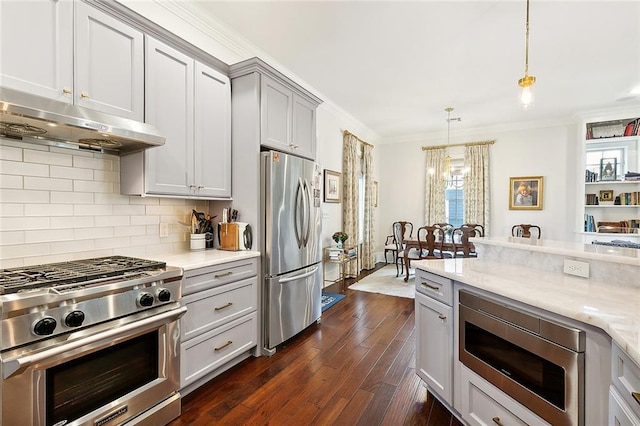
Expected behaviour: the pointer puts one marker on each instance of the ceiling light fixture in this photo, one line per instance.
(527, 82)
(448, 170)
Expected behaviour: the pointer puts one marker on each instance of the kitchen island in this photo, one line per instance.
(528, 275)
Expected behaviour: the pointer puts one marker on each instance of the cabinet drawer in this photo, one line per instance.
(435, 286)
(205, 353)
(214, 276)
(625, 376)
(619, 412)
(211, 308)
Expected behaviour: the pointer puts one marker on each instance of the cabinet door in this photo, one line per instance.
(276, 112)
(212, 133)
(619, 413)
(36, 47)
(169, 107)
(434, 345)
(109, 64)
(304, 127)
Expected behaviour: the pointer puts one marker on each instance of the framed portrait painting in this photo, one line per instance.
(526, 193)
(332, 186)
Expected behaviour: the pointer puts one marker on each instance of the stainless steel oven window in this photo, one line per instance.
(78, 387)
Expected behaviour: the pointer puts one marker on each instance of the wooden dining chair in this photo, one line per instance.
(477, 226)
(430, 241)
(524, 230)
(462, 245)
(399, 229)
(390, 245)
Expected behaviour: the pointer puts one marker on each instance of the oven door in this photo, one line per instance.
(102, 375)
(543, 376)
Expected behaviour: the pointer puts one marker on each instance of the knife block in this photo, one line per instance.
(228, 232)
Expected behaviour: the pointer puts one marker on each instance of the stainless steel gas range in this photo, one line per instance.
(90, 342)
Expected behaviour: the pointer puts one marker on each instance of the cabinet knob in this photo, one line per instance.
(497, 421)
(442, 317)
(200, 186)
(192, 186)
(84, 95)
(294, 146)
(66, 91)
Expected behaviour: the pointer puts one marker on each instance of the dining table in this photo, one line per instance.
(446, 246)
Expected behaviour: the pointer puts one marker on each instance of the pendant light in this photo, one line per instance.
(448, 171)
(527, 82)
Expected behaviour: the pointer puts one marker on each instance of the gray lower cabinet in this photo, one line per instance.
(220, 328)
(624, 392)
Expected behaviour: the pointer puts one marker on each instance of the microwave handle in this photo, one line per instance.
(18, 365)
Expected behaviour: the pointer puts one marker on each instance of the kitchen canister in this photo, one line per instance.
(198, 241)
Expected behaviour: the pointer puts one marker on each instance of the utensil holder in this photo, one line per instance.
(197, 242)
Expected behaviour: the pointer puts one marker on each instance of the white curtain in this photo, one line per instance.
(476, 185)
(368, 239)
(351, 171)
(435, 185)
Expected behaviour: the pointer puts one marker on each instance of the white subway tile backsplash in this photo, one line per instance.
(75, 246)
(145, 240)
(106, 176)
(145, 220)
(23, 196)
(72, 197)
(48, 183)
(128, 210)
(33, 156)
(48, 210)
(10, 153)
(122, 231)
(114, 199)
(23, 223)
(93, 163)
(18, 251)
(24, 169)
(93, 233)
(44, 236)
(11, 181)
(7, 210)
(146, 201)
(112, 221)
(165, 210)
(72, 222)
(112, 243)
(71, 173)
(11, 237)
(92, 210)
(92, 186)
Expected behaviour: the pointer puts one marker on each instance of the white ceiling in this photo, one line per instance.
(395, 65)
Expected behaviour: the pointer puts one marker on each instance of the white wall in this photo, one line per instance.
(544, 151)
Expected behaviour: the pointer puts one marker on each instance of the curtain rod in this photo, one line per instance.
(346, 132)
(429, 148)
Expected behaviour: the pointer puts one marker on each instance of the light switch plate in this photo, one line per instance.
(164, 230)
(573, 267)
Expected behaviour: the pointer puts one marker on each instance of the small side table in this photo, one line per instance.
(340, 257)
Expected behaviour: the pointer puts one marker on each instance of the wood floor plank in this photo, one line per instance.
(356, 367)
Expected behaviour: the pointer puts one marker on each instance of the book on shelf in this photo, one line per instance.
(591, 199)
(590, 176)
(589, 223)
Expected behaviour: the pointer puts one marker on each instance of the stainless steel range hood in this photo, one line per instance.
(40, 120)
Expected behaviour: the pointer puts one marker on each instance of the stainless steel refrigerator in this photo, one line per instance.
(292, 254)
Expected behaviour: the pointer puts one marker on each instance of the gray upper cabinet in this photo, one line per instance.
(104, 72)
(190, 103)
(287, 111)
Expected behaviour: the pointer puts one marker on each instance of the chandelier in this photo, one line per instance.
(449, 177)
(527, 82)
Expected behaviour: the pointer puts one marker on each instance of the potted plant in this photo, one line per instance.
(340, 237)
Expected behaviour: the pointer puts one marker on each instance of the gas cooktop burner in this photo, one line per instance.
(14, 280)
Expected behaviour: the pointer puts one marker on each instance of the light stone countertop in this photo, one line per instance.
(190, 260)
(612, 308)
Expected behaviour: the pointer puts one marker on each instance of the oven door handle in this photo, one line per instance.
(14, 366)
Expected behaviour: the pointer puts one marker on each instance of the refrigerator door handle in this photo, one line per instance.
(297, 277)
(307, 211)
(296, 214)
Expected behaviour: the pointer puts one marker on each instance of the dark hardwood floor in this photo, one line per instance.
(357, 367)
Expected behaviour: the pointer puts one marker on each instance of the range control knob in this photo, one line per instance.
(164, 295)
(145, 299)
(74, 319)
(45, 326)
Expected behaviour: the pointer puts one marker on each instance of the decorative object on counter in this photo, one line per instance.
(201, 230)
(340, 237)
(332, 185)
(526, 193)
(608, 169)
(198, 242)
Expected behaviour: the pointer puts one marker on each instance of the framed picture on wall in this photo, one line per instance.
(525, 193)
(332, 186)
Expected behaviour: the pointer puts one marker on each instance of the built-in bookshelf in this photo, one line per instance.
(612, 178)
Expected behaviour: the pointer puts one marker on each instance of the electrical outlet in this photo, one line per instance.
(164, 230)
(573, 267)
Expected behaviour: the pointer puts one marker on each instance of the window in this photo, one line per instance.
(453, 195)
(595, 155)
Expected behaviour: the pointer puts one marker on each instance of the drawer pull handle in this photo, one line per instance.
(431, 286)
(442, 317)
(636, 396)
(223, 275)
(223, 306)
(84, 95)
(66, 91)
(219, 348)
(497, 421)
